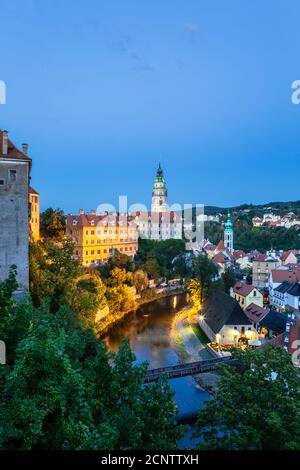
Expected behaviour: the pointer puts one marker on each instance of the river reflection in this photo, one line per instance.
(149, 333)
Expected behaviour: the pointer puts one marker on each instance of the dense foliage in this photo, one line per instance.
(156, 257)
(248, 238)
(256, 405)
(59, 389)
(53, 223)
(203, 272)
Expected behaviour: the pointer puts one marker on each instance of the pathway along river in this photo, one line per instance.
(149, 333)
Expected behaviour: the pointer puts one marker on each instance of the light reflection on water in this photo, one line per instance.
(149, 333)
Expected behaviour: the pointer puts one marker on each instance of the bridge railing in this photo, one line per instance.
(190, 365)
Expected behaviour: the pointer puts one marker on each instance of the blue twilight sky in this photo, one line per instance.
(104, 89)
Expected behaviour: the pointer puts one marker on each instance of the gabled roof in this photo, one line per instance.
(292, 288)
(12, 151)
(256, 313)
(238, 254)
(220, 309)
(286, 254)
(282, 275)
(32, 191)
(220, 245)
(221, 258)
(294, 336)
(243, 289)
(274, 321)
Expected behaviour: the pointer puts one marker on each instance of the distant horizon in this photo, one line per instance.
(102, 93)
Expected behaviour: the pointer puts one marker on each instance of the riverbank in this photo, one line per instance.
(107, 323)
(190, 343)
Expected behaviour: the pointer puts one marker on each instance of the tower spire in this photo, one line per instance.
(159, 192)
(228, 233)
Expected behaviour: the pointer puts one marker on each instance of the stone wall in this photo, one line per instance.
(14, 219)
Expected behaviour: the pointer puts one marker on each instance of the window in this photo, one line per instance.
(1, 182)
(12, 175)
(254, 293)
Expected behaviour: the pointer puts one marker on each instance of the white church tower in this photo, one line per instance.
(159, 193)
(228, 234)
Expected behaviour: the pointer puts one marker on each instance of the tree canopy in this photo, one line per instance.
(61, 389)
(256, 405)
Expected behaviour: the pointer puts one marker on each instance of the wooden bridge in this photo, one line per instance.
(190, 368)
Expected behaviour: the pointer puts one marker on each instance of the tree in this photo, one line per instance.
(156, 256)
(140, 280)
(89, 298)
(193, 287)
(53, 223)
(117, 277)
(204, 270)
(7, 288)
(60, 389)
(53, 272)
(228, 279)
(152, 268)
(256, 406)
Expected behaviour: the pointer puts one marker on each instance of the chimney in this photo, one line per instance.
(81, 211)
(25, 148)
(4, 142)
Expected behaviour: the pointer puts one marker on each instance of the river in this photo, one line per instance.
(149, 333)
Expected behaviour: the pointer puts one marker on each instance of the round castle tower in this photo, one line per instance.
(159, 193)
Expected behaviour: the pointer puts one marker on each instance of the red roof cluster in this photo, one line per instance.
(94, 220)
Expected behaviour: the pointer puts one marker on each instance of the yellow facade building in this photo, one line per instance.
(34, 214)
(96, 237)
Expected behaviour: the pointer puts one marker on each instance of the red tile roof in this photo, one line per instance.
(286, 254)
(243, 289)
(12, 151)
(294, 336)
(256, 313)
(238, 254)
(32, 191)
(220, 245)
(93, 220)
(220, 258)
(282, 275)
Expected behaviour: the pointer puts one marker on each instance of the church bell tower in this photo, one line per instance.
(159, 193)
(228, 234)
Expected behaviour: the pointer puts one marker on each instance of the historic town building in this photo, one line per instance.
(34, 211)
(15, 166)
(224, 321)
(160, 223)
(96, 237)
